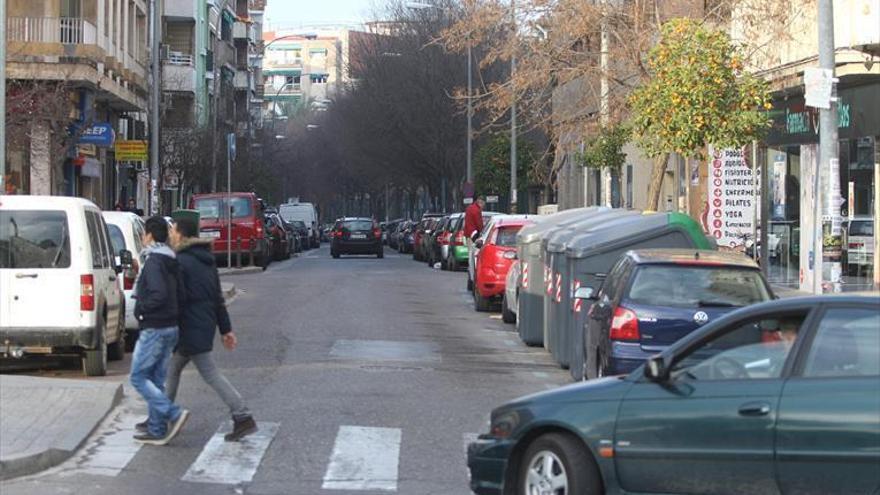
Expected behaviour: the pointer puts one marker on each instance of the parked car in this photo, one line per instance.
(278, 239)
(59, 292)
(472, 253)
(390, 233)
(435, 242)
(425, 227)
(247, 225)
(654, 297)
(301, 233)
(457, 253)
(497, 250)
(356, 235)
(510, 300)
(126, 231)
(860, 244)
(306, 213)
(406, 237)
(770, 398)
(446, 239)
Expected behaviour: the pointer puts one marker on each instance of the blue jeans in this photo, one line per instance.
(149, 367)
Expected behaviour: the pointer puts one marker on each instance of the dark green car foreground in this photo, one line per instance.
(781, 397)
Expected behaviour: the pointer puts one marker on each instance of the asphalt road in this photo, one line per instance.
(367, 375)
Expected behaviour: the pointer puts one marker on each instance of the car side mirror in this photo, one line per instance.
(585, 293)
(655, 369)
(478, 243)
(125, 258)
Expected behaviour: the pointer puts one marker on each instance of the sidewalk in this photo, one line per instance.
(43, 421)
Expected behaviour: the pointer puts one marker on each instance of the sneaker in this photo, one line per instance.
(142, 426)
(175, 426)
(241, 428)
(149, 439)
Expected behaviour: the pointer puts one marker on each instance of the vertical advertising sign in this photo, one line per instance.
(731, 191)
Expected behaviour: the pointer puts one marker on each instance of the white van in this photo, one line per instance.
(58, 281)
(126, 231)
(306, 213)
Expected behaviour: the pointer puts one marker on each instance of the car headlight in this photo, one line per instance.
(503, 424)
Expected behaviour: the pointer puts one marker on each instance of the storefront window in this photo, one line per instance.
(18, 172)
(783, 236)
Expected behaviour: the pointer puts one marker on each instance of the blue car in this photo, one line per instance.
(654, 297)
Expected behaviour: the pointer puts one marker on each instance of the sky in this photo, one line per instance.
(297, 13)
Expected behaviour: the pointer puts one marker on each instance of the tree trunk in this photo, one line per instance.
(656, 185)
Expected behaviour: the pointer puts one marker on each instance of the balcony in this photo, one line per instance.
(180, 9)
(239, 30)
(64, 30)
(178, 72)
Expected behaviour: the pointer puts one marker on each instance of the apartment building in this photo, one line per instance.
(77, 81)
(303, 69)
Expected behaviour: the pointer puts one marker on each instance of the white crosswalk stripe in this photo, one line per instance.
(364, 458)
(231, 463)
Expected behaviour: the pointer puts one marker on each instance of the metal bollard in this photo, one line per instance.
(238, 252)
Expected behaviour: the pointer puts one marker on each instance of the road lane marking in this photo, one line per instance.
(364, 458)
(231, 463)
(541, 374)
(495, 317)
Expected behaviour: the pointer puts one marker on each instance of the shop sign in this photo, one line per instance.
(131, 151)
(732, 200)
(794, 122)
(100, 134)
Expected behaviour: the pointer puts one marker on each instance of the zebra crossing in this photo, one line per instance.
(363, 458)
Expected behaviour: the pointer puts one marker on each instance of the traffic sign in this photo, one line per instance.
(492, 199)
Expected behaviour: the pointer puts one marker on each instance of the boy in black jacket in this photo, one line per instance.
(202, 313)
(156, 309)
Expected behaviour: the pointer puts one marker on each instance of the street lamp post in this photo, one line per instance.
(513, 199)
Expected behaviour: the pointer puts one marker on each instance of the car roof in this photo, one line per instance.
(670, 256)
(119, 216)
(355, 219)
(507, 220)
(223, 195)
(45, 202)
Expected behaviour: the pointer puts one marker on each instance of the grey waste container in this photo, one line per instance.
(529, 318)
(592, 254)
(558, 300)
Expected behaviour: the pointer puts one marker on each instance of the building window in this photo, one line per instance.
(319, 78)
(225, 28)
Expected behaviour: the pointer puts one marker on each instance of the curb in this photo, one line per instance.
(24, 465)
(239, 271)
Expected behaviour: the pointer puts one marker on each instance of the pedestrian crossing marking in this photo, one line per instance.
(231, 463)
(364, 458)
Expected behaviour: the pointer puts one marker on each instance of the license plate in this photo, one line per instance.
(358, 236)
(211, 234)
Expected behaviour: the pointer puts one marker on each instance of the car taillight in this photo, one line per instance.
(459, 239)
(86, 293)
(259, 230)
(130, 276)
(624, 325)
(377, 233)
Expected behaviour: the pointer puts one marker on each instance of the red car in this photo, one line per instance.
(494, 259)
(247, 226)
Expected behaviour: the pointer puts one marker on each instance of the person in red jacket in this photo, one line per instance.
(473, 218)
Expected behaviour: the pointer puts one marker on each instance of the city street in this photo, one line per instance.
(366, 375)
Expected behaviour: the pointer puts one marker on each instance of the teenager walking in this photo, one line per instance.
(156, 309)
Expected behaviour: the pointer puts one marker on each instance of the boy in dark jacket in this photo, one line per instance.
(156, 309)
(202, 313)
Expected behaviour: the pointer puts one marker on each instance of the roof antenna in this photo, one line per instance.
(696, 255)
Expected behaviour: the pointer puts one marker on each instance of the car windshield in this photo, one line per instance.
(507, 236)
(116, 237)
(697, 286)
(353, 225)
(34, 239)
(215, 207)
(861, 227)
(298, 224)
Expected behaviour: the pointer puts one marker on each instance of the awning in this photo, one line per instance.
(282, 72)
(282, 97)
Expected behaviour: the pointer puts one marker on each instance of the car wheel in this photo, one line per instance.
(334, 254)
(94, 361)
(452, 264)
(559, 464)
(470, 283)
(481, 304)
(381, 253)
(507, 316)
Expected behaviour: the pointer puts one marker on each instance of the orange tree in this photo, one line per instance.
(698, 95)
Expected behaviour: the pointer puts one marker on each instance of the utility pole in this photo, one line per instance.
(828, 164)
(603, 102)
(513, 198)
(3, 96)
(155, 89)
(470, 117)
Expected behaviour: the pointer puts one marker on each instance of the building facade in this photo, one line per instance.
(77, 82)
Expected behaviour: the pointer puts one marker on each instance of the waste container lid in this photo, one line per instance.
(557, 241)
(633, 229)
(534, 233)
